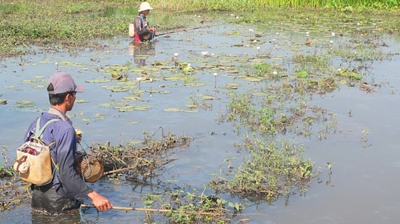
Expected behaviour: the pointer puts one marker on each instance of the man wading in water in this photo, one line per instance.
(142, 30)
(67, 190)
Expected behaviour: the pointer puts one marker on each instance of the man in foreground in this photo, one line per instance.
(67, 190)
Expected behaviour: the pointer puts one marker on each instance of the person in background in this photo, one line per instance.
(143, 31)
(67, 190)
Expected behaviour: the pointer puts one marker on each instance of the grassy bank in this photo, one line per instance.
(80, 23)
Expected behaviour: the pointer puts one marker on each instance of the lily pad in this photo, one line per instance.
(253, 79)
(131, 98)
(38, 86)
(108, 105)
(193, 84)
(80, 101)
(100, 116)
(125, 108)
(208, 97)
(142, 107)
(98, 80)
(39, 77)
(231, 85)
(191, 111)
(25, 104)
(172, 109)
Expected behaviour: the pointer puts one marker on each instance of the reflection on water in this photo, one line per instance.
(141, 51)
(40, 218)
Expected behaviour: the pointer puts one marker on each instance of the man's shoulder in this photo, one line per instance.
(57, 123)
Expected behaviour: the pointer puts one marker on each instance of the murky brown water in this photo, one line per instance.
(363, 186)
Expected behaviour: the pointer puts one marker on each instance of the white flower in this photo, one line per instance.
(232, 14)
(138, 79)
(204, 53)
(333, 34)
(339, 69)
(251, 30)
(56, 63)
(212, 54)
(277, 33)
(215, 74)
(331, 41)
(176, 54)
(274, 72)
(237, 17)
(358, 24)
(254, 41)
(258, 48)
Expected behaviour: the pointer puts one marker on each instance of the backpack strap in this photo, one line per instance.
(38, 130)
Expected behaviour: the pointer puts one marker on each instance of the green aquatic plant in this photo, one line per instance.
(271, 170)
(181, 206)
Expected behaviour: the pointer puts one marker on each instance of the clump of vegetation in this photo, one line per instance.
(6, 171)
(144, 158)
(273, 113)
(190, 207)
(272, 169)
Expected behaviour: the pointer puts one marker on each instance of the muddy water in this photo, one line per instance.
(361, 189)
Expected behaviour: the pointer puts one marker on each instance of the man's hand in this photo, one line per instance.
(100, 202)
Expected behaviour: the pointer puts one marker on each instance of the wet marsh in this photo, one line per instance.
(288, 120)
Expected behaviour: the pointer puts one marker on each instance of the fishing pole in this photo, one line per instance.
(183, 30)
(152, 210)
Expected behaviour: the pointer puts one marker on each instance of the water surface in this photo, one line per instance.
(363, 185)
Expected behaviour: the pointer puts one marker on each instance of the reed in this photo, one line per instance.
(246, 5)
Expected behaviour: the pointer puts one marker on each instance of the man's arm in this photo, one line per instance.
(100, 202)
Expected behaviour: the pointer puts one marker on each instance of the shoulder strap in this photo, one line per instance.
(38, 130)
(56, 112)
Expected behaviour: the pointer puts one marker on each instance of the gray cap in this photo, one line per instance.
(63, 83)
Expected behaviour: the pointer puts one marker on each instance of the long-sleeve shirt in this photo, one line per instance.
(66, 180)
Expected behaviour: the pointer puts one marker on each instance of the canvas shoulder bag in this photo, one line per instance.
(34, 159)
